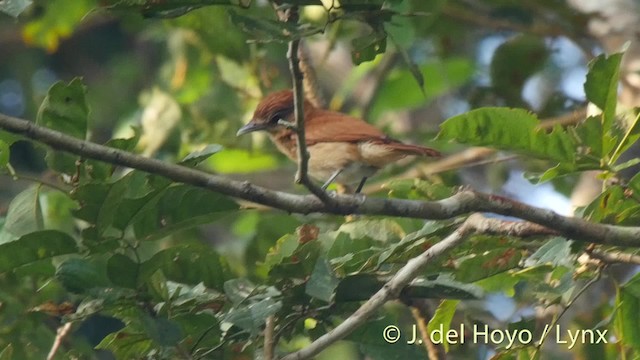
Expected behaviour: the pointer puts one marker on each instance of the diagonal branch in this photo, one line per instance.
(463, 202)
(391, 290)
(61, 334)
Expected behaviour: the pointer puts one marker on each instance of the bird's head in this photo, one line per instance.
(273, 108)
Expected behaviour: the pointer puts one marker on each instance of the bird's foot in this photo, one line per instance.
(360, 197)
(331, 193)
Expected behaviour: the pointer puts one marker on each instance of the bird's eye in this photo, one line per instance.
(274, 119)
(280, 115)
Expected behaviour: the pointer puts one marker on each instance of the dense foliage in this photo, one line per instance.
(147, 268)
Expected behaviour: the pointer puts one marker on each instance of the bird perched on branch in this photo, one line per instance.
(341, 148)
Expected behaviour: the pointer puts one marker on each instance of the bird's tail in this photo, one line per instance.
(415, 149)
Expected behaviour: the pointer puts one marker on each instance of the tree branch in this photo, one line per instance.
(614, 257)
(302, 175)
(391, 290)
(269, 338)
(464, 202)
(61, 334)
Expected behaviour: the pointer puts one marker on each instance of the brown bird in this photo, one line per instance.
(340, 146)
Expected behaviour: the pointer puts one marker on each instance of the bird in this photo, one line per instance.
(341, 147)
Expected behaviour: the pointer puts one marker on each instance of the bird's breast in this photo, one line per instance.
(354, 159)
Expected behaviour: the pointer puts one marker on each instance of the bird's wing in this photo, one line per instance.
(329, 126)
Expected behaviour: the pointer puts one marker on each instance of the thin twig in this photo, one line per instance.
(40, 181)
(464, 202)
(61, 334)
(556, 318)
(433, 350)
(302, 175)
(269, 340)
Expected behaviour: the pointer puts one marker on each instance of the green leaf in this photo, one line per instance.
(189, 264)
(163, 332)
(65, 109)
(486, 264)
(417, 189)
(510, 129)
(102, 171)
(242, 291)
(442, 75)
(252, 317)
(164, 9)
(25, 213)
(201, 327)
(265, 30)
(362, 286)
(177, 208)
(123, 271)
(126, 344)
(323, 281)
(197, 157)
(367, 47)
(601, 88)
(430, 228)
(626, 164)
(79, 275)
(590, 132)
(628, 305)
(4, 153)
(208, 23)
(35, 246)
(515, 61)
(382, 230)
(283, 248)
(505, 282)
(442, 287)
(230, 161)
(614, 206)
(351, 254)
(401, 30)
(14, 7)
(239, 290)
(299, 265)
(631, 135)
(182, 294)
(372, 343)
(441, 320)
(556, 252)
(56, 21)
(357, 287)
(361, 5)
(100, 202)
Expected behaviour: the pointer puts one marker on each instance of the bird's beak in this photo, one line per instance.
(251, 127)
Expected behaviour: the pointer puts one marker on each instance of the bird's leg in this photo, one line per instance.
(361, 185)
(333, 177)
